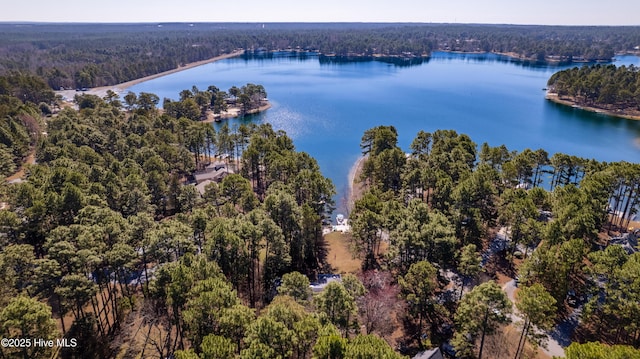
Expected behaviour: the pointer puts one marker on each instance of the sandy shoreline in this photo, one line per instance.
(120, 88)
(355, 187)
(554, 98)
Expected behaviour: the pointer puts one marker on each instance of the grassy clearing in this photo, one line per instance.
(339, 254)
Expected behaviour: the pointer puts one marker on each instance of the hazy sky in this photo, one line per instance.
(560, 12)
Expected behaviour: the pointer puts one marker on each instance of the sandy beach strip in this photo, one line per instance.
(119, 88)
(355, 186)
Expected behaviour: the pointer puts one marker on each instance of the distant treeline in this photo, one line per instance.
(605, 86)
(89, 55)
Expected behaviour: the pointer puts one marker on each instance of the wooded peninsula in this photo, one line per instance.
(600, 88)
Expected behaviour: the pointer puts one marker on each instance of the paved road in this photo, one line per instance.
(560, 334)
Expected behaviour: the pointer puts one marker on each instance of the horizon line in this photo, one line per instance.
(29, 22)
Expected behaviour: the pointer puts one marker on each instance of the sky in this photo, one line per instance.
(543, 12)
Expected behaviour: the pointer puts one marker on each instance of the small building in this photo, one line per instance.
(342, 224)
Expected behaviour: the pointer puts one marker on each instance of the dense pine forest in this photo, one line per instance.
(107, 241)
(606, 86)
(439, 208)
(105, 223)
(90, 55)
(23, 100)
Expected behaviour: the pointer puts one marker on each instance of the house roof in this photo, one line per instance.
(429, 354)
(212, 175)
(201, 186)
(217, 164)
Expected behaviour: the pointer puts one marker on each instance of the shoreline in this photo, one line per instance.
(188, 66)
(511, 55)
(121, 87)
(555, 99)
(355, 188)
(234, 112)
(522, 58)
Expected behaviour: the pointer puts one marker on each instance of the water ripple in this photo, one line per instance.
(288, 120)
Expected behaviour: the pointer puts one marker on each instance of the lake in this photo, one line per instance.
(326, 107)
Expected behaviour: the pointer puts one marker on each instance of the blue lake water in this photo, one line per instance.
(326, 108)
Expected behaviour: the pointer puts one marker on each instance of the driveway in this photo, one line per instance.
(560, 334)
